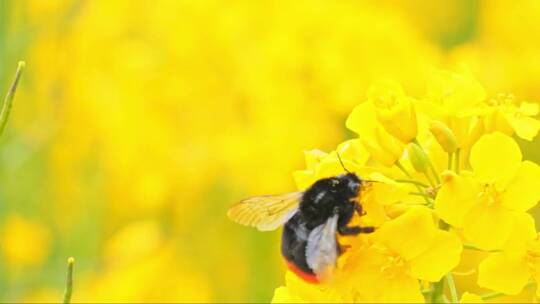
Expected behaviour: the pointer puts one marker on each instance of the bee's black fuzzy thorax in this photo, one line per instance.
(329, 195)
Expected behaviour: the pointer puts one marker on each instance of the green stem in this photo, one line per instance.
(437, 296)
(473, 247)
(452, 286)
(438, 288)
(457, 160)
(420, 194)
(450, 160)
(427, 291)
(400, 166)
(411, 182)
(430, 164)
(69, 281)
(8, 100)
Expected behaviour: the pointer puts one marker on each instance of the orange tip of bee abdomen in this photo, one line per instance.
(308, 277)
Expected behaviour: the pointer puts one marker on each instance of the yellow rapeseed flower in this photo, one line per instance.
(454, 99)
(426, 210)
(404, 250)
(454, 94)
(510, 270)
(382, 146)
(506, 115)
(499, 187)
(395, 111)
(24, 242)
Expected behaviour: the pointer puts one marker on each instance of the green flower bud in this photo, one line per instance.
(444, 136)
(418, 158)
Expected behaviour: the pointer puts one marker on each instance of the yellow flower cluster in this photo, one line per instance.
(169, 124)
(446, 177)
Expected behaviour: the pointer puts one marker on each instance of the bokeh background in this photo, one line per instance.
(137, 123)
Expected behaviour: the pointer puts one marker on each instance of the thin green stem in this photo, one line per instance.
(438, 288)
(452, 287)
(457, 160)
(8, 100)
(411, 182)
(473, 247)
(430, 164)
(450, 160)
(69, 281)
(420, 194)
(400, 166)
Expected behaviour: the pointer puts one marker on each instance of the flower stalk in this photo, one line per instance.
(452, 287)
(8, 100)
(69, 281)
(457, 160)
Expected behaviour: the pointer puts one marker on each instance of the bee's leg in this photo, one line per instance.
(343, 248)
(354, 230)
(367, 229)
(359, 209)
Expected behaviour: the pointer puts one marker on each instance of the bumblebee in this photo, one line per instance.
(312, 219)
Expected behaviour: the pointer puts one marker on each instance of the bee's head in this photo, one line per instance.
(351, 183)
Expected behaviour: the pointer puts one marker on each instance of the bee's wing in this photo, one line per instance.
(266, 212)
(321, 249)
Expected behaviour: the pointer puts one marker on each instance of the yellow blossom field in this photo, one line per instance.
(136, 125)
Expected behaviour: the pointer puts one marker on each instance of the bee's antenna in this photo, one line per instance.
(370, 181)
(341, 162)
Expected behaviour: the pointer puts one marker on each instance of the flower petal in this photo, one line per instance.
(314, 157)
(458, 93)
(525, 127)
(528, 108)
(283, 295)
(304, 178)
(385, 89)
(455, 198)
(332, 166)
(354, 150)
(401, 289)
(467, 297)
(442, 256)
(310, 292)
(522, 192)
(363, 120)
(503, 273)
(386, 191)
(409, 234)
(399, 120)
(479, 227)
(365, 265)
(495, 157)
(523, 233)
(364, 270)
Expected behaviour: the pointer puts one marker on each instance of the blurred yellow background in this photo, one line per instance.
(137, 123)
